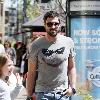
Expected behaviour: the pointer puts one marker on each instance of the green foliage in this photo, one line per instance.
(84, 94)
(87, 97)
(33, 10)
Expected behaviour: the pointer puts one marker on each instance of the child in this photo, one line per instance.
(10, 85)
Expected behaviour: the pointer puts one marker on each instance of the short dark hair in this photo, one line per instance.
(51, 14)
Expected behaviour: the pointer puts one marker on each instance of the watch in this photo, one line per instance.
(73, 90)
(29, 98)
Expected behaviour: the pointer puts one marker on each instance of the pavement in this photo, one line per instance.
(22, 95)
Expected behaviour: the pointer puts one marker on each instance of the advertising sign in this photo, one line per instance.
(85, 5)
(85, 32)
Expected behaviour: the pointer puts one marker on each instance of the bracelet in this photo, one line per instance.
(29, 98)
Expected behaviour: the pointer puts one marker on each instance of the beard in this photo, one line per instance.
(52, 34)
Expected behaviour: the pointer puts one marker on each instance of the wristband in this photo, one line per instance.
(73, 90)
(29, 98)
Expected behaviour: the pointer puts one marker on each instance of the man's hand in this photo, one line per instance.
(29, 98)
(70, 91)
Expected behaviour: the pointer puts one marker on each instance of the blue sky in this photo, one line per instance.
(7, 3)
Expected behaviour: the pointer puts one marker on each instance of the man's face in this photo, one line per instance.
(52, 26)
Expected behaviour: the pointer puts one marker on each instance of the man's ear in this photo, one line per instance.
(44, 24)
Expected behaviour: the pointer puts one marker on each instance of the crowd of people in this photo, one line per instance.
(16, 52)
(50, 65)
(11, 80)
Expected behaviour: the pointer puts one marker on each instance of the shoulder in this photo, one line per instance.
(3, 86)
(13, 49)
(1, 45)
(36, 45)
(65, 38)
(38, 41)
(4, 91)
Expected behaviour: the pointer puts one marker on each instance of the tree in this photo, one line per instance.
(30, 8)
(33, 9)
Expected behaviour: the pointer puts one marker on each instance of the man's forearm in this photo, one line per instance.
(72, 77)
(31, 75)
(30, 84)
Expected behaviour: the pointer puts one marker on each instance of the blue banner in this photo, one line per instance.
(85, 32)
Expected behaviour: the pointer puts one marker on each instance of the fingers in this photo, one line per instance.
(69, 92)
(19, 78)
(18, 75)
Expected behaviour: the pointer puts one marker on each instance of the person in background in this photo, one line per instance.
(24, 68)
(20, 51)
(51, 64)
(2, 49)
(10, 85)
(10, 50)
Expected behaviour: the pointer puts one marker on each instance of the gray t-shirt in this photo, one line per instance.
(52, 58)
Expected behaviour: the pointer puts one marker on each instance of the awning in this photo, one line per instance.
(43, 33)
(39, 33)
(37, 22)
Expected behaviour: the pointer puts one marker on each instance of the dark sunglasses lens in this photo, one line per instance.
(56, 24)
(51, 24)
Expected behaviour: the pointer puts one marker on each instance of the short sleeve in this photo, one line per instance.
(33, 52)
(72, 49)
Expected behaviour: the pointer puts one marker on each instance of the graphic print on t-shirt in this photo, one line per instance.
(48, 52)
(51, 57)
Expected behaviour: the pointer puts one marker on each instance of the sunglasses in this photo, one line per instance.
(50, 24)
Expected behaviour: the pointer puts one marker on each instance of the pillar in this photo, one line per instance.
(2, 20)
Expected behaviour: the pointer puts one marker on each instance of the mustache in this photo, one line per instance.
(53, 29)
(57, 30)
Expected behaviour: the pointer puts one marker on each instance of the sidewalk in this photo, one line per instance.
(22, 95)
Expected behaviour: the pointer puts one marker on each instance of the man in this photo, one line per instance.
(51, 60)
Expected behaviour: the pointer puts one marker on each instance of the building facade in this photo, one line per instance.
(2, 19)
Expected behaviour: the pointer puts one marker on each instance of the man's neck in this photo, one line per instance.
(50, 38)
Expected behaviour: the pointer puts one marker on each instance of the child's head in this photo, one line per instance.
(6, 65)
(7, 44)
